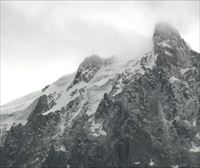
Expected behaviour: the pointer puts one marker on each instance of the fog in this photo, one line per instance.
(41, 41)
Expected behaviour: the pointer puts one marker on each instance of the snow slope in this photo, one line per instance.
(19, 104)
(18, 111)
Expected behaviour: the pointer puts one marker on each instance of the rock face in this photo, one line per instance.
(168, 43)
(142, 113)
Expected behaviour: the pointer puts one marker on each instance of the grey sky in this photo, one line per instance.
(41, 41)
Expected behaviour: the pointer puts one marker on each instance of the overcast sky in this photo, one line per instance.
(41, 41)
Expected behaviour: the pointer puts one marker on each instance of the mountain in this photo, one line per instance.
(141, 112)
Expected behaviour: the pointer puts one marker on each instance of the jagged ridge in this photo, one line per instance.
(143, 113)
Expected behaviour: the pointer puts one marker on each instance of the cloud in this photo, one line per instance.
(43, 40)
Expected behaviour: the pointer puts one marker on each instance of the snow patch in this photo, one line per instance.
(168, 53)
(96, 129)
(183, 71)
(151, 163)
(194, 124)
(151, 60)
(137, 163)
(61, 126)
(175, 166)
(101, 82)
(137, 68)
(187, 122)
(65, 98)
(198, 136)
(165, 44)
(194, 148)
(119, 90)
(58, 92)
(173, 79)
(62, 148)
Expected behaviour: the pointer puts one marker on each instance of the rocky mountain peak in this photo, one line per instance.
(165, 32)
(93, 60)
(88, 69)
(169, 46)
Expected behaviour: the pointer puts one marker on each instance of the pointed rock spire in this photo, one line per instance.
(169, 45)
(88, 69)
